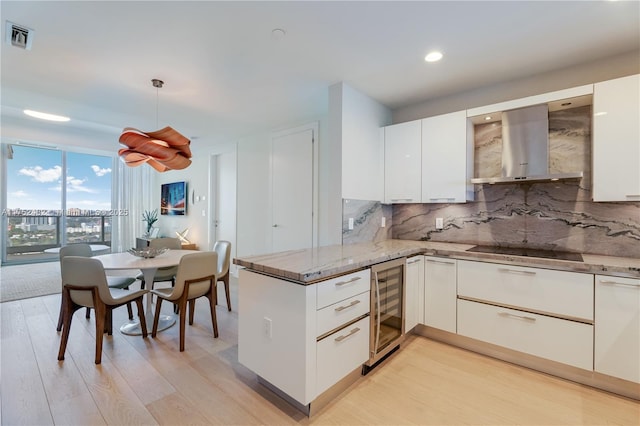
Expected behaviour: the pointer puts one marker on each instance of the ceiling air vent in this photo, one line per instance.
(19, 36)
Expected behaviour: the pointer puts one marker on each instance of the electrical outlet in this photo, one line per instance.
(350, 223)
(384, 222)
(439, 223)
(267, 327)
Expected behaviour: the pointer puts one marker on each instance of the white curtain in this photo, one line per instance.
(132, 189)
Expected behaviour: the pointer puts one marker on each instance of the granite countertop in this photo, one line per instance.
(308, 266)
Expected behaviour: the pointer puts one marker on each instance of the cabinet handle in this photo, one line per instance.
(522, 317)
(632, 195)
(619, 284)
(411, 262)
(441, 262)
(340, 283)
(443, 198)
(515, 271)
(351, 333)
(274, 225)
(342, 308)
(393, 200)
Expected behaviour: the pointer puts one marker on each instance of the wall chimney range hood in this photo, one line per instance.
(525, 148)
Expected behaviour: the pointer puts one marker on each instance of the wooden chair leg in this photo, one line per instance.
(87, 314)
(156, 317)
(183, 317)
(101, 313)
(212, 307)
(61, 315)
(108, 321)
(68, 316)
(143, 320)
(225, 279)
(130, 311)
(192, 308)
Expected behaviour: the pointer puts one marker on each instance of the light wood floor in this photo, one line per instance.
(150, 382)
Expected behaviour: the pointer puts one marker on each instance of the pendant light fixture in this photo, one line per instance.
(164, 149)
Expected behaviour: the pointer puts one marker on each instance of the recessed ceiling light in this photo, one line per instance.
(434, 56)
(278, 33)
(488, 117)
(45, 116)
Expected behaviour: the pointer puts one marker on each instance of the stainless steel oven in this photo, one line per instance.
(387, 309)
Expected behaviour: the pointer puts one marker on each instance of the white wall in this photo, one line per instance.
(592, 72)
(356, 119)
(197, 215)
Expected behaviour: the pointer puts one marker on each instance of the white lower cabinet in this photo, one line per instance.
(440, 293)
(414, 296)
(617, 327)
(303, 339)
(341, 352)
(558, 293)
(564, 341)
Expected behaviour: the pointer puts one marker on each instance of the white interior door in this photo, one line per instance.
(292, 180)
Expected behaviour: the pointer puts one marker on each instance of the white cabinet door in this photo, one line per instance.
(617, 327)
(444, 158)
(340, 353)
(568, 342)
(561, 293)
(414, 296)
(616, 140)
(402, 162)
(440, 293)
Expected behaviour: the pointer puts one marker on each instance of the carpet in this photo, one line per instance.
(30, 280)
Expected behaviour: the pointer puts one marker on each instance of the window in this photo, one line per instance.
(54, 198)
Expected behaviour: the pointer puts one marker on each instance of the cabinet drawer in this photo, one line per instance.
(562, 293)
(340, 353)
(333, 316)
(564, 341)
(343, 287)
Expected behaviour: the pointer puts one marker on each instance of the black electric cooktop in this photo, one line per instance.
(528, 252)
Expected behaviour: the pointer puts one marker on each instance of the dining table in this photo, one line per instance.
(148, 267)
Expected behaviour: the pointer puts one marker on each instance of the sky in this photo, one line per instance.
(34, 180)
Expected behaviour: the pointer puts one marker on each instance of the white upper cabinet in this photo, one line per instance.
(402, 167)
(616, 140)
(445, 159)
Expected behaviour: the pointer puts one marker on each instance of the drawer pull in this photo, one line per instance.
(443, 198)
(633, 195)
(522, 317)
(441, 262)
(411, 262)
(619, 284)
(351, 333)
(342, 308)
(395, 200)
(354, 279)
(515, 271)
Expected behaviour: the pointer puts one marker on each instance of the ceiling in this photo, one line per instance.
(226, 76)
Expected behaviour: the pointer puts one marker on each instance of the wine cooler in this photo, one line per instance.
(387, 309)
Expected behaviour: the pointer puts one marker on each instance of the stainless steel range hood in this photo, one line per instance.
(525, 148)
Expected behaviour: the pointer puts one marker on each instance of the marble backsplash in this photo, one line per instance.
(367, 219)
(549, 215)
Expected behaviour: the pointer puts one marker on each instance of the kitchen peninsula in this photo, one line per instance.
(303, 326)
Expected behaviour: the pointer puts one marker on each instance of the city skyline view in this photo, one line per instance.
(35, 178)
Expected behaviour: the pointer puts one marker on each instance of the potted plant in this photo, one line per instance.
(150, 217)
